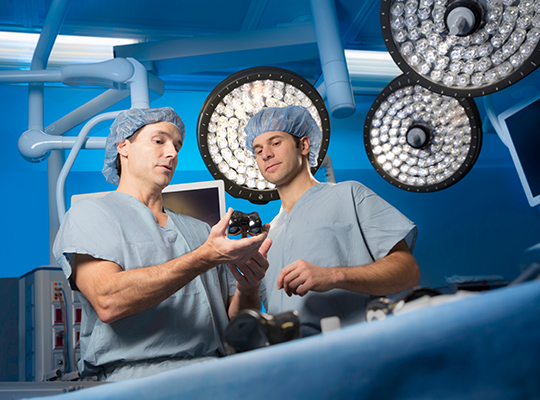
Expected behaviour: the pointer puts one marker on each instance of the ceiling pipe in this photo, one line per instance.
(138, 85)
(336, 75)
(51, 27)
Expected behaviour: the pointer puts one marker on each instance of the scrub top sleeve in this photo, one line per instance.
(86, 229)
(383, 226)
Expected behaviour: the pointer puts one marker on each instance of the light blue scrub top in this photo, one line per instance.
(344, 224)
(190, 323)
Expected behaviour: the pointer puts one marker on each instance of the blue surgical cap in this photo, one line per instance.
(125, 125)
(295, 120)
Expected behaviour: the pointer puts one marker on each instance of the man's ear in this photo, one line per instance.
(305, 145)
(123, 148)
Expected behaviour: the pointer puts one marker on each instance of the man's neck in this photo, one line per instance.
(291, 192)
(151, 198)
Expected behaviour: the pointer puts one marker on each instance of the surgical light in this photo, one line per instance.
(463, 47)
(419, 140)
(227, 110)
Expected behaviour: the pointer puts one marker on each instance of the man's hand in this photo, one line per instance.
(239, 251)
(300, 277)
(249, 275)
(395, 272)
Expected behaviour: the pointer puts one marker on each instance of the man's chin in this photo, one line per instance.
(164, 181)
(268, 178)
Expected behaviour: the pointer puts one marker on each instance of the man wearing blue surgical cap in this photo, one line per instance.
(334, 246)
(155, 288)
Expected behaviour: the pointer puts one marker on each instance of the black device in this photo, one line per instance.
(379, 309)
(251, 329)
(245, 223)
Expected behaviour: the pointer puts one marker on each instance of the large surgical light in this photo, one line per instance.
(227, 110)
(419, 140)
(463, 47)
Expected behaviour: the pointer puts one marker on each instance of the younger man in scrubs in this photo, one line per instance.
(156, 292)
(333, 245)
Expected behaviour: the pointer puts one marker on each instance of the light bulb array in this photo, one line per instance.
(226, 112)
(500, 48)
(420, 140)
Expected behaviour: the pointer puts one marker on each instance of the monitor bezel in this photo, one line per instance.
(506, 137)
(218, 184)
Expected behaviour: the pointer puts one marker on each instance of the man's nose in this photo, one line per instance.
(267, 153)
(171, 150)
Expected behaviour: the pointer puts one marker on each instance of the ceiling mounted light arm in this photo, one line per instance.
(419, 140)
(225, 113)
(112, 73)
(35, 145)
(463, 47)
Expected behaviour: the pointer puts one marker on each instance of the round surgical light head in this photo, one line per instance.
(228, 109)
(463, 47)
(419, 140)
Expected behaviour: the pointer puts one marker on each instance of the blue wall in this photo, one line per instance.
(479, 226)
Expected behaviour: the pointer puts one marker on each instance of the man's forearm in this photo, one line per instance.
(116, 293)
(394, 273)
(244, 300)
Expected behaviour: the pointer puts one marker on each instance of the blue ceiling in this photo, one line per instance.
(173, 19)
(202, 33)
(193, 21)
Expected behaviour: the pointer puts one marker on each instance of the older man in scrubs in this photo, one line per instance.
(157, 292)
(334, 245)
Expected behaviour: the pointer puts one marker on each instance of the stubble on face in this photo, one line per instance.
(279, 156)
(153, 155)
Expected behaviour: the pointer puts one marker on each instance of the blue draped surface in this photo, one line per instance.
(481, 347)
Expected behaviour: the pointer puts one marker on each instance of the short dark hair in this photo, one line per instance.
(297, 140)
(131, 138)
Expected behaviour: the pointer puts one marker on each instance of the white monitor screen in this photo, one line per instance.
(201, 200)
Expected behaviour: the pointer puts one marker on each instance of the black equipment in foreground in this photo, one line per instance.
(250, 330)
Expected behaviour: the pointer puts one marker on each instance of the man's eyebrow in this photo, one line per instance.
(269, 139)
(160, 132)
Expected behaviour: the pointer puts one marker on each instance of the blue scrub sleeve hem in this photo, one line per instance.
(66, 260)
